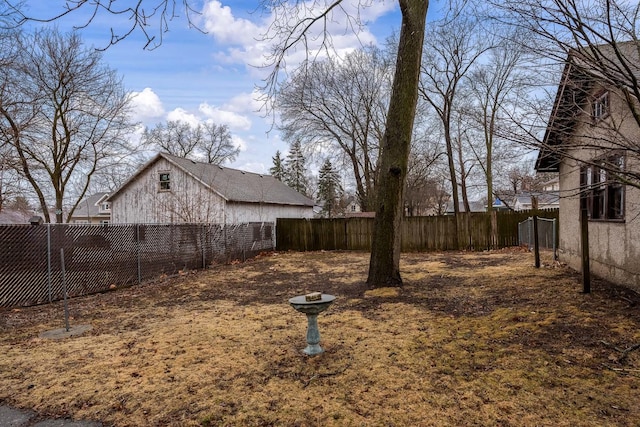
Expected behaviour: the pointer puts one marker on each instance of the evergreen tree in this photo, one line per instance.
(277, 170)
(295, 169)
(328, 189)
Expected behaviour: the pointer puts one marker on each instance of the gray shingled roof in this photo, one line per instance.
(12, 216)
(90, 204)
(234, 185)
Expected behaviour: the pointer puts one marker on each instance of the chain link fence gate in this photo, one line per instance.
(547, 234)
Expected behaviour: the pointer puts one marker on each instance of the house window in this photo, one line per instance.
(104, 221)
(165, 181)
(601, 106)
(602, 194)
(105, 207)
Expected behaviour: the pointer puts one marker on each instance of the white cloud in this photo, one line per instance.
(182, 115)
(248, 42)
(221, 116)
(238, 142)
(377, 9)
(225, 28)
(135, 137)
(145, 106)
(245, 103)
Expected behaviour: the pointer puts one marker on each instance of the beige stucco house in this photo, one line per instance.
(170, 189)
(592, 141)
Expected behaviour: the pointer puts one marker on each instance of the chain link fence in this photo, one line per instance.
(547, 233)
(100, 257)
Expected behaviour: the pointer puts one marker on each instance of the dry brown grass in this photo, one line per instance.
(472, 339)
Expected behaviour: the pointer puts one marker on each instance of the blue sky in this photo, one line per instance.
(197, 77)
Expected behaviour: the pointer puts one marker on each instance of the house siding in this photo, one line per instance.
(614, 247)
(264, 212)
(188, 201)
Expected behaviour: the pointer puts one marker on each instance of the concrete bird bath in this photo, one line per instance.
(312, 308)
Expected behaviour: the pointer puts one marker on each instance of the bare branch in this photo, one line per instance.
(149, 17)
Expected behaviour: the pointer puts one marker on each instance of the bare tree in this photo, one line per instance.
(64, 113)
(342, 104)
(9, 101)
(597, 45)
(292, 29)
(498, 86)
(216, 144)
(454, 46)
(463, 163)
(425, 164)
(205, 142)
(151, 18)
(175, 137)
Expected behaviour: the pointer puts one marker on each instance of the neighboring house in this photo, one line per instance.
(551, 185)
(474, 206)
(590, 120)
(170, 189)
(95, 209)
(14, 216)
(536, 200)
(548, 200)
(499, 205)
(353, 207)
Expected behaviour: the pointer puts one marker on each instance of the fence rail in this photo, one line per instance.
(475, 231)
(99, 257)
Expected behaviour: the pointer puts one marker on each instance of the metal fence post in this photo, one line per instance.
(203, 238)
(49, 261)
(138, 253)
(555, 248)
(536, 242)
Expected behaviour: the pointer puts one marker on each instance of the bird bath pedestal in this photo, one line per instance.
(312, 309)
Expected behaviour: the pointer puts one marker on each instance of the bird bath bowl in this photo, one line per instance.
(312, 309)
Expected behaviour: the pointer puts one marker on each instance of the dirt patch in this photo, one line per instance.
(471, 339)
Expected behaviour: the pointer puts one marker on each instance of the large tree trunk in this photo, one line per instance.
(384, 265)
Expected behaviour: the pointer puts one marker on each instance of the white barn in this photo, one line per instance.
(171, 189)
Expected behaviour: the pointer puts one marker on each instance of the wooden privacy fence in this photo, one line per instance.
(425, 233)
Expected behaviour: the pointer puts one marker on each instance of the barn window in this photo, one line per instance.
(602, 193)
(165, 181)
(601, 106)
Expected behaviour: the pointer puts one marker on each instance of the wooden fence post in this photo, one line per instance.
(493, 240)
